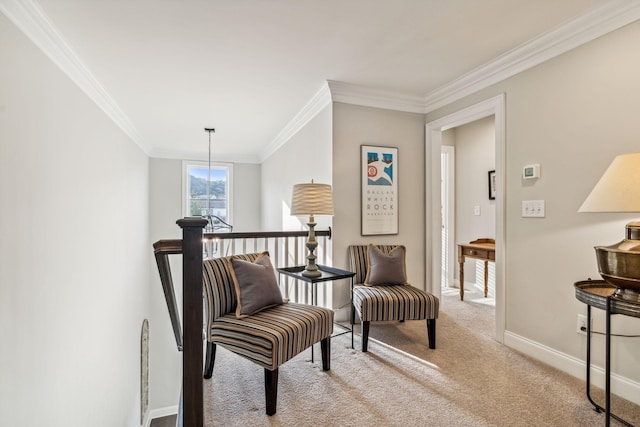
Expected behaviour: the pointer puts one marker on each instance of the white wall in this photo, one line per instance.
(165, 362)
(306, 156)
(475, 157)
(74, 254)
(573, 115)
(246, 197)
(355, 126)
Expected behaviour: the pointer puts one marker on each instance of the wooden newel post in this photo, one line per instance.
(193, 412)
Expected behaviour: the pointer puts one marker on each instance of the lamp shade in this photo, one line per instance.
(618, 189)
(312, 199)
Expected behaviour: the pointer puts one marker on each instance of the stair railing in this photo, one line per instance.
(286, 248)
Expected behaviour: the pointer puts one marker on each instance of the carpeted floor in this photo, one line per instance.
(502, 386)
(469, 380)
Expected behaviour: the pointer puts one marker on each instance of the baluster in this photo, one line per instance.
(324, 250)
(276, 252)
(286, 264)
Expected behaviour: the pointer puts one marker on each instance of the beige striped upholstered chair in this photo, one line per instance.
(270, 337)
(384, 302)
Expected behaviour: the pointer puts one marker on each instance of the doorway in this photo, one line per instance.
(469, 205)
(433, 197)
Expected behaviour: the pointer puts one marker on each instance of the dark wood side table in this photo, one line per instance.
(329, 274)
(600, 294)
(482, 249)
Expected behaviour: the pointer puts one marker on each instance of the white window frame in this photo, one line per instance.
(186, 164)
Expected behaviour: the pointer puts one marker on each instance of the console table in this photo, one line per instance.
(482, 249)
(600, 294)
(329, 274)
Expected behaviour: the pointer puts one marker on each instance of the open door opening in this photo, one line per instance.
(434, 189)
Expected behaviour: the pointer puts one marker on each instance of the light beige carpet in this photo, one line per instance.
(469, 380)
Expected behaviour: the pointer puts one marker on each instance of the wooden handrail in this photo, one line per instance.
(162, 249)
(264, 234)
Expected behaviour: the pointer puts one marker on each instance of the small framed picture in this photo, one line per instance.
(492, 185)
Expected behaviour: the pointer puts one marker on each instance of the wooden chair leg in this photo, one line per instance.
(431, 332)
(271, 390)
(210, 360)
(325, 346)
(365, 335)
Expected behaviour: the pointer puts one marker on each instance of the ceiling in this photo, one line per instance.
(170, 68)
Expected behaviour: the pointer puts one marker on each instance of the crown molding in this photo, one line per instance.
(378, 98)
(316, 104)
(29, 17)
(589, 26)
(192, 155)
(583, 29)
(592, 24)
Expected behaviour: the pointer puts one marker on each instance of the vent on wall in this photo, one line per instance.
(144, 370)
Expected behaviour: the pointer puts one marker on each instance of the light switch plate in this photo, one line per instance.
(533, 209)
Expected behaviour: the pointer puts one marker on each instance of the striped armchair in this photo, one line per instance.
(388, 302)
(269, 337)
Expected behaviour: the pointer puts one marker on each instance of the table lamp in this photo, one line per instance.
(619, 191)
(311, 199)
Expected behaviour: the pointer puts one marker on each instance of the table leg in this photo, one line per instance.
(352, 314)
(607, 373)
(461, 261)
(314, 301)
(596, 407)
(486, 278)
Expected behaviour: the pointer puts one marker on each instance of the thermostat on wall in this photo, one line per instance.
(531, 172)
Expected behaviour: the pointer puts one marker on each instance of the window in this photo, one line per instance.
(195, 176)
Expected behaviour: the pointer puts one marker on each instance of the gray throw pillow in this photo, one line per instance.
(386, 269)
(256, 285)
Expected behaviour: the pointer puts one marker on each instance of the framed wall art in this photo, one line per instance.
(379, 178)
(492, 185)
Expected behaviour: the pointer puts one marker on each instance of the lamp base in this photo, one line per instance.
(311, 269)
(311, 273)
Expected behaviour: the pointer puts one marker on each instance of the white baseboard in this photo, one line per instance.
(620, 386)
(159, 413)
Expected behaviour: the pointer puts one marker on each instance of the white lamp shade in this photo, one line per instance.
(312, 199)
(618, 189)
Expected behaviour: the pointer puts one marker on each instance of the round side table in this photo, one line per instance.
(600, 294)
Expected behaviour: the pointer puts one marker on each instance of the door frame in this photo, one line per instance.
(433, 144)
(449, 211)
